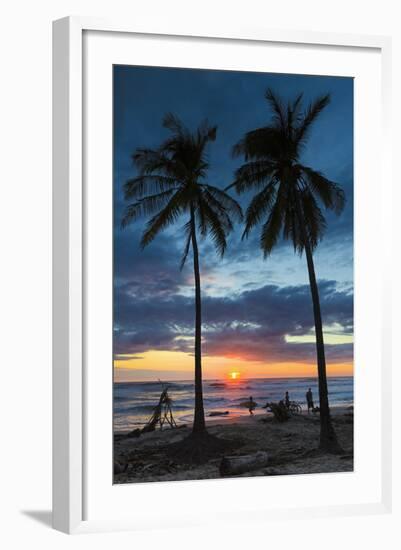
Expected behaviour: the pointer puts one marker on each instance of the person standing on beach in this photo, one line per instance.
(287, 400)
(309, 399)
(252, 405)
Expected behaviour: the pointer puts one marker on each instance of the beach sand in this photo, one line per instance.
(291, 446)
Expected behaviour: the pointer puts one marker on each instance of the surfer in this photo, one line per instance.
(309, 399)
(252, 405)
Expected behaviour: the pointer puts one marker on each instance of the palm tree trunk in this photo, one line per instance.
(199, 417)
(328, 438)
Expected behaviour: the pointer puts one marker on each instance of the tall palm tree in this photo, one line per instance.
(288, 201)
(172, 183)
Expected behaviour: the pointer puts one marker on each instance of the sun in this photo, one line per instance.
(234, 375)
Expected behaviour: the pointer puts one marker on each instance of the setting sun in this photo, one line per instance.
(234, 375)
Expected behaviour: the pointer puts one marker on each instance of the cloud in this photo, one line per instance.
(251, 325)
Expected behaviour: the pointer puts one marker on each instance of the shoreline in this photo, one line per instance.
(235, 416)
(212, 421)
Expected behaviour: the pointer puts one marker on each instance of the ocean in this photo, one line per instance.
(134, 401)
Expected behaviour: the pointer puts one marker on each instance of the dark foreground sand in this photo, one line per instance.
(291, 447)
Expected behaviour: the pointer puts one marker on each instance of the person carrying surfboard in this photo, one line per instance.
(252, 405)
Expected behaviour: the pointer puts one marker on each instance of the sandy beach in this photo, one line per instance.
(291, 447)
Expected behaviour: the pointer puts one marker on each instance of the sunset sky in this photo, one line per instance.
(257, 314)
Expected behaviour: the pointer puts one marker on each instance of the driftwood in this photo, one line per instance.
(235, 465)
(219, 413)
(162, 414)
(279, 411)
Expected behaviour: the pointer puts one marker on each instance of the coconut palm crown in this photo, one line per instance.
(283, 183)
(171, 184)
(288, 202)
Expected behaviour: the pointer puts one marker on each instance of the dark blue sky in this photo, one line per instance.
(234, 101)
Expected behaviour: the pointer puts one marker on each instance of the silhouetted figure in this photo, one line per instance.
(309, 400)
(287, 400)
(252, 405)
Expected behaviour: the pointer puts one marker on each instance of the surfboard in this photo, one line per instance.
(248, 404)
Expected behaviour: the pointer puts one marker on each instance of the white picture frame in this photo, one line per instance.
(70, 424)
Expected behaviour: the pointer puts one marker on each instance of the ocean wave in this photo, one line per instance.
(134, 402)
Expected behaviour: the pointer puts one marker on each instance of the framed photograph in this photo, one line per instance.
(220, 321)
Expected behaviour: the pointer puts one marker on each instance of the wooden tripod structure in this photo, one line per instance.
(162, 413)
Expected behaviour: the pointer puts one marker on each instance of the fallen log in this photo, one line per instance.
(235, 465)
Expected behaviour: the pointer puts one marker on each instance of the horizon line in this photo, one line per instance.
(236, 381)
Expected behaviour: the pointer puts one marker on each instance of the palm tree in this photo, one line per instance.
(170, 184)
(288, 201)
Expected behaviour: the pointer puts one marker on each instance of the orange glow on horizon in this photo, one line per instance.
(176, 365)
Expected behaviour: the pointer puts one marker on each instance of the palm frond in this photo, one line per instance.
(164, 218)
(214, 227)
(293, 116)
(271, 229)
(145, 206)
(330, 193)
(206, 133)
(260, 205)
(149, 161)
(280, 115)
(263, 143)
(253, 175)
(229, 204)
(142, 185)
(311, 114)
(314, 220)
(296, 106)
(173, 123)
(219, 210)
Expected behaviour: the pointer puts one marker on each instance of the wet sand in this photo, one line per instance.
(291, 446)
